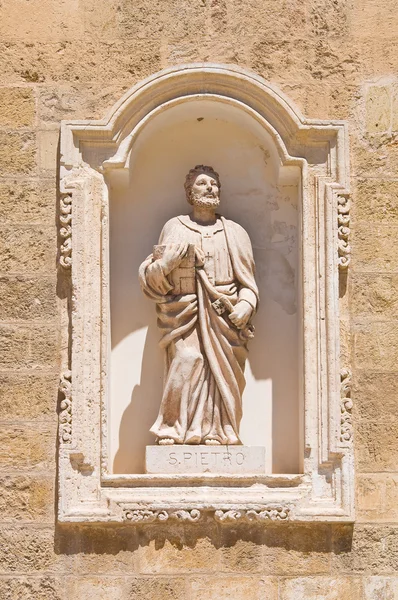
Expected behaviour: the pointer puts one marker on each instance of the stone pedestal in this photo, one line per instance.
(179, 459)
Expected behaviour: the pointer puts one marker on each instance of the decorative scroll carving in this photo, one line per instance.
(344, 248)
(346, 406)
(65, 218)
(271, 513)
(149, 516)
(65, 415)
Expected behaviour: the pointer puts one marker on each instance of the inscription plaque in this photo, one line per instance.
(205, 459)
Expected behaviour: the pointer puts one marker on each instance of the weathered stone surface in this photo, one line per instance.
(17, 153)
(26, 498)
(17, 107)
(27, 298)
(378, 109)
(375, 201)
(380, 588)
(370, 549)
(47, 142)
(377, 446)
(28, 249)
(150, 588)
(376, 345)
(98, 588)
(32, 588)
(28, 396)
(374, 248)
(27, 201)
(171, 557)
(374, 294)
(29, 549)
(26, 448)
(27, 347)
(327, 588)
(375, 396)
(377, 497)
(239, 587)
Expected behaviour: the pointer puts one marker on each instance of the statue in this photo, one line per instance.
(201, 276)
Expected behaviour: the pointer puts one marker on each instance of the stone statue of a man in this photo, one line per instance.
(201, 276)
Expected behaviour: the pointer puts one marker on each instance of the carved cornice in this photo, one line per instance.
(65, 231)
(226, 516)
(343, 219)
(65, 415)
(347, 431)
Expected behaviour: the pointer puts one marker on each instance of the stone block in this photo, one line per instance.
(237, 587)
(376, 446)
(17, 107)
(27, 202)
(48, 149)
(376, 345)
(297, 550)
(17, 153)
(373, 294)
(374, 248)
(28, 396)
(378, 109)
(29, 249)
(325, 588)
(33, 588)
(26, 498)
(375, 201)
(241, 556)
(27, 448)
(167, 556)
(29, 550)
(377, 497)
(365, 549)
(375, 396)
(98, 588)
(28, 347)
(27, 298)
(205, 459)
(154, 588)
(380, 588)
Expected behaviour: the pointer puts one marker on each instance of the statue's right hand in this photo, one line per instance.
(172, 256)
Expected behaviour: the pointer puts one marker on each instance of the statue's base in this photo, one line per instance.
(178, 458)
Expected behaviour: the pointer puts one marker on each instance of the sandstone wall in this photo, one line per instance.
(73, 59)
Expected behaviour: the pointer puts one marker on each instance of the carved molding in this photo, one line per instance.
(271, 513)
(194, 515)
(346, 406)
(65, 415)
(139, 516)
(343, 217)
(65, 231)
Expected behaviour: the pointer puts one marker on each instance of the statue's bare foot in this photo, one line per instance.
(212, 442)
(166, 441)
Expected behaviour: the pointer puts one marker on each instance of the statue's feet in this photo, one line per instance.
(165, 441)
(212, 442)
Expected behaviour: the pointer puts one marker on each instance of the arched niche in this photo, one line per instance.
(261, 190)
(284, 178)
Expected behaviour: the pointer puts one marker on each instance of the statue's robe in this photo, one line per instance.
(205, 352)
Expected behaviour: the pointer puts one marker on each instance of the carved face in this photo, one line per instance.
(205, 191)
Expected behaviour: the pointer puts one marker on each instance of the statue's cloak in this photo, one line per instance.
(205, 353)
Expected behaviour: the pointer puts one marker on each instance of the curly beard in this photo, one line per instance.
(206, 201)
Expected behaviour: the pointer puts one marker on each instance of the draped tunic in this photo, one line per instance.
(204, 352)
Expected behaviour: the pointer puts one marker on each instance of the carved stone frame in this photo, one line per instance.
(95, 153)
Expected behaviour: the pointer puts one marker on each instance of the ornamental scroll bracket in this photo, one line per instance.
(343, 222)
(346, 432)
(223, 516)
(65, 230)
(65, 415)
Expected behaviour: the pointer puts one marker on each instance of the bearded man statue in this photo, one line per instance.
(201, 276)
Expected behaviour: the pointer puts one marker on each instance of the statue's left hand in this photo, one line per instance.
(241, 314)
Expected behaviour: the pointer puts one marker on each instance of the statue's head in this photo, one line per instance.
(202, 186)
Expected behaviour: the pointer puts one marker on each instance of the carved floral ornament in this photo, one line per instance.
(94, 156)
